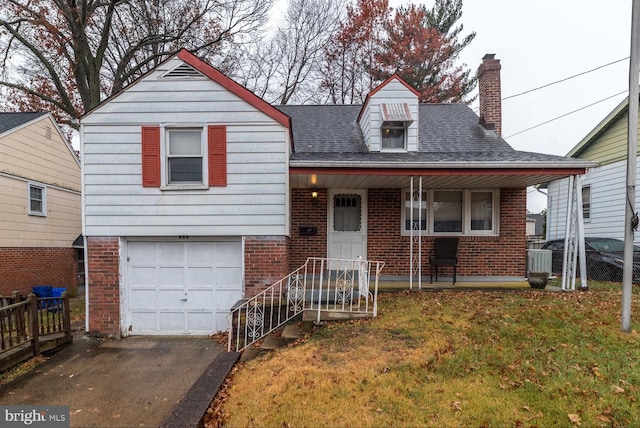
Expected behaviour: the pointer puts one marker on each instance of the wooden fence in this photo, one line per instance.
(32, 326)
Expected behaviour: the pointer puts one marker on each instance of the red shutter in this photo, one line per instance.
(217, 142)
(151, 156)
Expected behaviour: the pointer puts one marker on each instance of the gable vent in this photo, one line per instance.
(183, 71)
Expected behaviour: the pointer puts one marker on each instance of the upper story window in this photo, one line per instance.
(395, 120)
(393, 135)
(451, 212)
(37, 199)
(185, 156)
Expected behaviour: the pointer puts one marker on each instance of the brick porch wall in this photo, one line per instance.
(23, 268)
(308, 212)
(104, 285)
(266, 261)
(503, 255)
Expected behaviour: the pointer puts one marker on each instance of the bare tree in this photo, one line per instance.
(286, 68)
(68, 55)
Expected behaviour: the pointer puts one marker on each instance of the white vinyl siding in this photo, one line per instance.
(254, 202)
(608, 184)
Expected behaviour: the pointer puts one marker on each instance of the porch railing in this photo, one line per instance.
(25, 326)
(320, 285)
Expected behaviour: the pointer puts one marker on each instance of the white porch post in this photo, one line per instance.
(574, 237)
(569, 255)
(415, 249)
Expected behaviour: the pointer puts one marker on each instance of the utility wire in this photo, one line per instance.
(565, 79)
(566, 114)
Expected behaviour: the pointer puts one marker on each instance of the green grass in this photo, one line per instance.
(453, 358)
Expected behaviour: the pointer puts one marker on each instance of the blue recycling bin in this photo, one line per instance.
(43, 291)
(57, 292)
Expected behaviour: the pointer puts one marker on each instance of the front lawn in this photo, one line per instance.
(452, 358)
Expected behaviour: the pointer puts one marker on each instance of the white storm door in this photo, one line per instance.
(347, 224)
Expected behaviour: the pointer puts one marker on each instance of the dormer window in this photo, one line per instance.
(395, 119)
(393, 135)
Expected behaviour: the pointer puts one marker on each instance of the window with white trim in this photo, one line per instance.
(37, 199)
(452, 212)
(586, 202)
(185, 156)
(418, 219)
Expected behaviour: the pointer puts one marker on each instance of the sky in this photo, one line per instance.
(543, 41)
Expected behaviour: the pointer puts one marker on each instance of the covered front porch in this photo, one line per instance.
(396, 214)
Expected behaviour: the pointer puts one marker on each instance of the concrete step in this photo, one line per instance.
(312, 315)
(292, 332)
(273, 341)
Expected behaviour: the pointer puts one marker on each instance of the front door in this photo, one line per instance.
(347, 224)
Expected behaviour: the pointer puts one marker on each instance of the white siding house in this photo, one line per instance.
(603, 187)
(190, 225)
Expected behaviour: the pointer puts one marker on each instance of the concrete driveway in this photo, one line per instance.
(134, 382)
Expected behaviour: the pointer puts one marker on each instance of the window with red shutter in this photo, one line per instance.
(151, 156)
(182, 162)
(217, 145)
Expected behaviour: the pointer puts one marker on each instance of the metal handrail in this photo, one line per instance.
(321, 284)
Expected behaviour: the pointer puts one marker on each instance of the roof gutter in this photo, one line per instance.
(581, 164)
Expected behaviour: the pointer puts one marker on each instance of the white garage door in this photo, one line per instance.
(180, 287)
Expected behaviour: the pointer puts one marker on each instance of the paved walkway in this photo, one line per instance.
(134, 382)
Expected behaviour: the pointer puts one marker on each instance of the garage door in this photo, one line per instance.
(180, 287)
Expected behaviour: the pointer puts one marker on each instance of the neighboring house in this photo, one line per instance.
(603, 188)
(40, 212)
(197, 193)
(535, 224)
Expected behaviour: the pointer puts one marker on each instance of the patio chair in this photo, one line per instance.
(443, 253)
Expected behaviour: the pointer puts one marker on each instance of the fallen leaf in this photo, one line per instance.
(574, 418)
(456, 405)
(616, 389)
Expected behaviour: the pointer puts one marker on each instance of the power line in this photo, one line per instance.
(566, 114)
(565, 79)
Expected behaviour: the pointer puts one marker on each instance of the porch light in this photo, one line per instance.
(314, 195)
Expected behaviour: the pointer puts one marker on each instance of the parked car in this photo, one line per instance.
(604, 258)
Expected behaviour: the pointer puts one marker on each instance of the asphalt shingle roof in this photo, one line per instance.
(447, 133)
(9, 121)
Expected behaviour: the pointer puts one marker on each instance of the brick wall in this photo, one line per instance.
(503, 255)
(266, 262)
(22, 268)
(104, 286)
(308, 212)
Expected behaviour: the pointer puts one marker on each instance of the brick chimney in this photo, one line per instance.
(490, 93)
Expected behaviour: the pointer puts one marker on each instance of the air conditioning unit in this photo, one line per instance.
(539, 261)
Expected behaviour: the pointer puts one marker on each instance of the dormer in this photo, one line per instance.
(389, 117)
